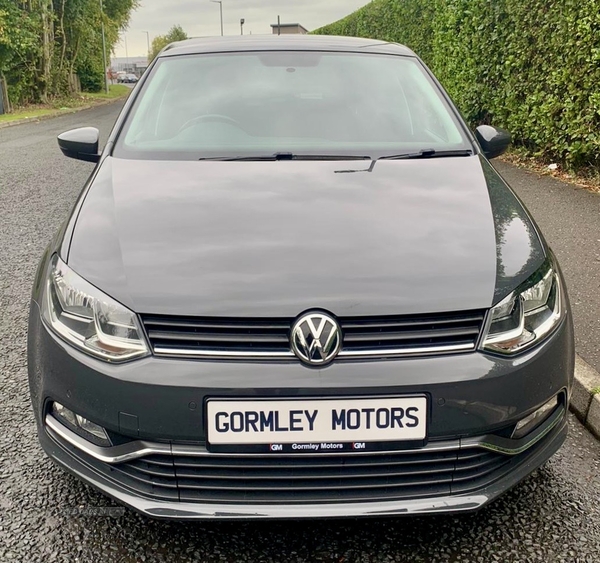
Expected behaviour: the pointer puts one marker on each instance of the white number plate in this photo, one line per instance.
(295, 421)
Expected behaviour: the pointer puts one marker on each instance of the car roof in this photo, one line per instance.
(232, 44)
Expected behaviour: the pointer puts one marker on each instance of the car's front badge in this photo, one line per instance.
(316, 338)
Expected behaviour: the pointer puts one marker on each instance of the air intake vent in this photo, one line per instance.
(313, 479)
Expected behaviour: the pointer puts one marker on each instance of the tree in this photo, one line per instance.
(47, 33)
(43, 43)
(176, 33)
(20, 50)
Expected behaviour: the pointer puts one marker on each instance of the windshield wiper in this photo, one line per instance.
(257, 157)
(427, 153)
(291, 156)
(285, 156)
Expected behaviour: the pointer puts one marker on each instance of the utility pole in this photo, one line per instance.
(278, 25)
(220, 3)
(126, 54)
(104, 48)
(242, 22)
(148, 38)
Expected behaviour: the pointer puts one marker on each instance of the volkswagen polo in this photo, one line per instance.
(294, 286)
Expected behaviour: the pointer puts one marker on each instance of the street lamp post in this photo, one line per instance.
(148, 39)
(220, 3)
(104, 47)
(126, 54)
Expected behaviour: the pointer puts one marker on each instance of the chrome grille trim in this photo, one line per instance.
(159, 351)
(406, 351)
(343, 354)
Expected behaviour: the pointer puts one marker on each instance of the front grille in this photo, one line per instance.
(415, 334)
(310, 479)
(191, 336)
(268, 339)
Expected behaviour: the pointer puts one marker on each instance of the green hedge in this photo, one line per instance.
(91, 74)
(531, 66)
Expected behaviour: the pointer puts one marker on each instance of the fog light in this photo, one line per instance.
(64, 413)
(92, 428)
(527, 424)
(82, 426)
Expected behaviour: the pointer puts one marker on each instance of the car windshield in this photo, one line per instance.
(242, 105)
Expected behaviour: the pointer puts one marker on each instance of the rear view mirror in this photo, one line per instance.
(81, 144)
(493, 141)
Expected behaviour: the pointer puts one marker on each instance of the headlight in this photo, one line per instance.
(527, 315)
(88, 319)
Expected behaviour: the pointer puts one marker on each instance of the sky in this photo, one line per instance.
(201, 18)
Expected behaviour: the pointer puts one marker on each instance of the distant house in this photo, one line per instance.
(289, 29)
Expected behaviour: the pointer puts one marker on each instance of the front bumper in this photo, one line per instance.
(469, 494)
(474, 399)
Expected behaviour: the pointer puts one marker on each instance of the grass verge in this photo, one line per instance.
(68, 105)
(115, 91)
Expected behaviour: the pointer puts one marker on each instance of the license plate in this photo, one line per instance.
(315, 425)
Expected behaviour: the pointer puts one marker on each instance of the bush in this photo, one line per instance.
(531, 67)
(91, 76)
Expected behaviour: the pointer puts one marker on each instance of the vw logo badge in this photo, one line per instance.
(316, 338)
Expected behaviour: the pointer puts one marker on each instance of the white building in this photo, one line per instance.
(288, 29)
(132, 65)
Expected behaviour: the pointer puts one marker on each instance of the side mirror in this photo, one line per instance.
(493, 141)
(81, 144)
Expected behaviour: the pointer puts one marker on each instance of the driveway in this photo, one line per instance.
(46, 515)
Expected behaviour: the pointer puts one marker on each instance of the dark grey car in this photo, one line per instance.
(294, 286)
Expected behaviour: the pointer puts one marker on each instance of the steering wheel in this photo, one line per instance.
(214, 117)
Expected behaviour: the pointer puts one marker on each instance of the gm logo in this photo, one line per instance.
(359, 445)
(276, 447)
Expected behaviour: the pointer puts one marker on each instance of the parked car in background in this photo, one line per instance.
(130, 79)
(294, 287)
(121, 76)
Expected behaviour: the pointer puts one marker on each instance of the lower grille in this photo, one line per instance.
(309, 479)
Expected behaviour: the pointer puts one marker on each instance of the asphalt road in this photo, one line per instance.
(46, 515)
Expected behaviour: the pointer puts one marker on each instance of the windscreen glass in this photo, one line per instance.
(264, 103)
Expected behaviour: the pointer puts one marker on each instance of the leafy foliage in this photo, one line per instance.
(19, 49)
(531, 67)
(44, 42)
(90, 75)
(176, 33)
